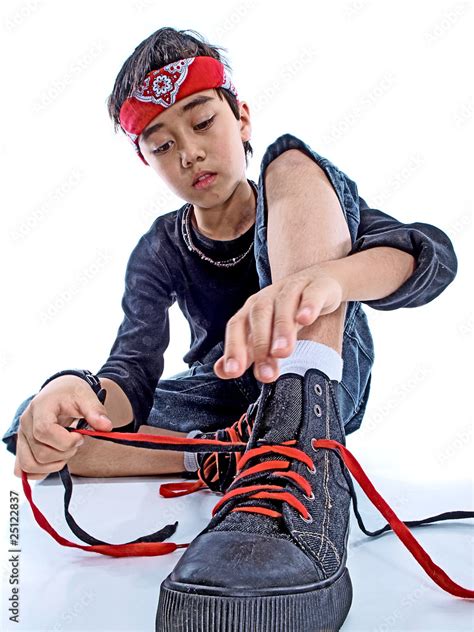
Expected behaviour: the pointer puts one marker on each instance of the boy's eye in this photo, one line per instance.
(158, 149)
(200, 126)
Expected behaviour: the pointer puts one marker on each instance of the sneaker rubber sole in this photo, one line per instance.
(322, 606)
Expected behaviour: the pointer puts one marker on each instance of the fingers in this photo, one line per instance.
(266, 319)
(285, 326)
(261, 323)
(44, 446)
(86, 405)
(266, 327)
(276, 327)
(95, 414)
(237, 349)
(46, 431)
(38, 465)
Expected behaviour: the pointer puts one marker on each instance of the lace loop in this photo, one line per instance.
(271, 467)
(283, 449)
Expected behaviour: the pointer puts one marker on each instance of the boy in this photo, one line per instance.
(244, 261)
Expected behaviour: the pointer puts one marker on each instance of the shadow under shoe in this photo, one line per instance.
(273, 557)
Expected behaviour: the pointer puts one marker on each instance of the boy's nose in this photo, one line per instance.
(190, 154)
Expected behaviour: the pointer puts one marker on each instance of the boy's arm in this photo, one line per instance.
(434, 256)
(371, 274)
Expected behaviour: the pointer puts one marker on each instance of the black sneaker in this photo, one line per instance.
(273, 557)
(266, 577)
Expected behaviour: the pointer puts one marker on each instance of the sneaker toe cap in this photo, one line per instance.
(237, 560)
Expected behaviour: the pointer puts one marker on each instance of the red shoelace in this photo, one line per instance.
(149, 546)
(209, 473)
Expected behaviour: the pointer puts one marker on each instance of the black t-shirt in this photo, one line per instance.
(160, 271)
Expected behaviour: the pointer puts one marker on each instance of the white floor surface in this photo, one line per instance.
(68, 589)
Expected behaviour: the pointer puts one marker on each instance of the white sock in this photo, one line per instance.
(312, 355)
(190, 458)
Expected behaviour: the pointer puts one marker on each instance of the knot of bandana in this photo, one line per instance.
(164, 87)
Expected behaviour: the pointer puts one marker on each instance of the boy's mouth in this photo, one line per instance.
(204, 179)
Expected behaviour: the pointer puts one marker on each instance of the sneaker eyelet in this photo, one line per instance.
(318, 389)
(313, 470)
(310, 498)
(307, 520)
(312, 445)
(317, 410)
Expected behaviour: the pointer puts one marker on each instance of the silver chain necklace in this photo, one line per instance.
(186, 231)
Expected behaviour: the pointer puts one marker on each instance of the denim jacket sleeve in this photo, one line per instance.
(436, 262)
(136, 359)
(10, 436)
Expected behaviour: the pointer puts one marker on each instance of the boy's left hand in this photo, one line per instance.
(277, 312)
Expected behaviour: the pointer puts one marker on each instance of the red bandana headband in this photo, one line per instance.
(164, 87)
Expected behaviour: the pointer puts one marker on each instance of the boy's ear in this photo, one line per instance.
(245, 122)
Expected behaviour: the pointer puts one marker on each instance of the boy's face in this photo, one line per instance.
(187, 142)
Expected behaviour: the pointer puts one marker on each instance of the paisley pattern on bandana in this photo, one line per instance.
(228, 84)
(165, 83)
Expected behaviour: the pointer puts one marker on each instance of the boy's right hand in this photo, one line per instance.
(43, 443)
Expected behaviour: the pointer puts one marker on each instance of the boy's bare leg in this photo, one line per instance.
(106, 459)
(169, 462)
(305, 226)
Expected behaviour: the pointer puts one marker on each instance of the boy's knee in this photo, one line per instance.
(291, 158)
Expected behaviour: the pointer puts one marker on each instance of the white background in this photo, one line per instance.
(382, 89)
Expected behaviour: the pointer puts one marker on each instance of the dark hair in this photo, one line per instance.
(163, 47)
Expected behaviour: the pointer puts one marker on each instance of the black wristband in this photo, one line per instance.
(84, 374)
